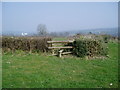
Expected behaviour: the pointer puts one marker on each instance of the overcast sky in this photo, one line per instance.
(58, 16)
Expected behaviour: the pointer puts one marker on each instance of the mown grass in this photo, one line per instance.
(22, 70)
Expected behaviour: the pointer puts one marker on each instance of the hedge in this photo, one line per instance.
(30, 44)
(89, 48)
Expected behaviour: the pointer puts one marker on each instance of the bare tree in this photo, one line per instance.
(42, 29)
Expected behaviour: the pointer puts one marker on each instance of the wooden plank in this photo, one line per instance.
(61, 50)
(59, 47)
(57, 44)
(54, 54)
(60, 41)
(66, 52)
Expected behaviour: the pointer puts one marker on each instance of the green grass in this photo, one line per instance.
(0, 68)
(59, 39)
(22, 70)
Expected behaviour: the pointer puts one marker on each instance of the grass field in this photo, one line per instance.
(59, 39)
(22, 70)
(0, 68)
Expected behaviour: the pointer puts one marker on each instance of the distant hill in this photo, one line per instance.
(109, 31)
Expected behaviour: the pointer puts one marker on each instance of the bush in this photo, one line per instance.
(106, 38)
(30, 44)
(89, 48)
(80, 48)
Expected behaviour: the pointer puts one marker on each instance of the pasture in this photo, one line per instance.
(38, 70)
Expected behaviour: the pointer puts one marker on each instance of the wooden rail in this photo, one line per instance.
(66, 52)
(60, 47)
(60, 52)
(60, 41)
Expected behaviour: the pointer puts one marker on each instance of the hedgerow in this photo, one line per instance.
(89, 47)
(30, 44)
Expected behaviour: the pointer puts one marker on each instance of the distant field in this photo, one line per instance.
(60, 38)
(22, 70)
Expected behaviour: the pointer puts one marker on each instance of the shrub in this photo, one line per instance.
(80, 48)
(30, 44)
(106, 38)
(89, 48)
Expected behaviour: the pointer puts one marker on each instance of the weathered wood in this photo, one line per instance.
(61, 50)
(53, 51)
(60, 47)
(66, 52)
(60, 41)
(60, 53)
(57, 44)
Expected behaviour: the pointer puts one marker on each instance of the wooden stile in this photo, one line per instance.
(54, 46)
(60, 47)
(60, 41)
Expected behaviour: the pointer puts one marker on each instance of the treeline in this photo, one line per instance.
(51, 34)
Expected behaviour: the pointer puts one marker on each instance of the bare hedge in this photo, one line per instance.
(30, 44)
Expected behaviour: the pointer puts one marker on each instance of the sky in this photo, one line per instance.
(58, 16)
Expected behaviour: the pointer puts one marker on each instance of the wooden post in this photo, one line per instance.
(60, 53)
(53, 51)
